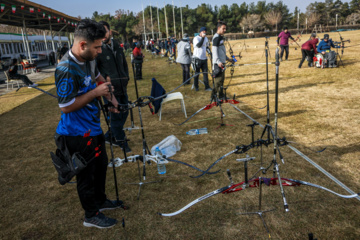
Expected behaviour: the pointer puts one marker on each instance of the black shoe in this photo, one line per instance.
(99, 221)
(127, 148)
(208, 89)
(109, 205)
(196, 89)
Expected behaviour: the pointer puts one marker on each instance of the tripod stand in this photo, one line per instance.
(222, 114)
(267, 127)
(145, 146)
(259, 212)
(267, 48)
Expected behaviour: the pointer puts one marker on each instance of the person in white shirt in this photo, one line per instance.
(200, 43)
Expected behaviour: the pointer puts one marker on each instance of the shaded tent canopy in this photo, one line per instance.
(6, 37)
(35, 15)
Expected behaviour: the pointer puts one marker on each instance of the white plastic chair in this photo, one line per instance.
(11, 81)
(174, 96)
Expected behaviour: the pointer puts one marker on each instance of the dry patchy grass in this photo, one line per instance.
(317, 108)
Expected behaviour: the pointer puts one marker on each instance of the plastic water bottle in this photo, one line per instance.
(160, 165)
(197, 131)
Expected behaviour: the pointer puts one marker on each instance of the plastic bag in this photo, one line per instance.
(168, 147)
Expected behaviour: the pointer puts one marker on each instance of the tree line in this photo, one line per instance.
(259, 16)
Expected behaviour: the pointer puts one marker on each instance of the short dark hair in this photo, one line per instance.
(105, 24)
(89, 30)
(220, 23)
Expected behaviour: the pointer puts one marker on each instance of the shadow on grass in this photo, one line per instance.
(286, 89)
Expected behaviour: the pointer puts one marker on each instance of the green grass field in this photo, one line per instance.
(317, 109)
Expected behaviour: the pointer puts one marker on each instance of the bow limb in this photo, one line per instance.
(284, 182)
(318, 186)
(213, 193)
(218, 160)
(206, 107)
(186, 164)
(323, 170)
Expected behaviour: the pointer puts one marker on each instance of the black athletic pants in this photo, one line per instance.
(91, 180)
(306, 53)
(186, 72)
(201, 64)
(23, 78)
(286, 48)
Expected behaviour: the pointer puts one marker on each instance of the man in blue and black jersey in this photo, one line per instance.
(75, 77)
(112, 65)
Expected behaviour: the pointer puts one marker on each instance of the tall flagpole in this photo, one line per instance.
(166, 23)
(160, 35)
(152, 25)
(182, 26)
(174, 19)
(144, 22)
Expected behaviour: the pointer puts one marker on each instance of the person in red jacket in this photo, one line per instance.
(306, 50)
(138, 60)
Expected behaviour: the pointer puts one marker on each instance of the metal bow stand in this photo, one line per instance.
(260, 212)
(145, 148)
(275, 139)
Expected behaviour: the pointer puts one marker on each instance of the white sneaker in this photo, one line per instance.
(33, 85)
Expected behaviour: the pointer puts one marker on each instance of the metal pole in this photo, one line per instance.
(144, 22)
(336, 21)
(166, 23)
(160, 35)
(68, 36)
(46, 46)
(27, 42)
(182, 25)
(298, 20)
(52, 40)
(23, 37)
(174, 18)
(152, 25)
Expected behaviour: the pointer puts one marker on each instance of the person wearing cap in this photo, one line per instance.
(138, 60)
(324, 48)
(283, 41)
(325, 45)
(184, 56)
(308, 49)
(200, 43)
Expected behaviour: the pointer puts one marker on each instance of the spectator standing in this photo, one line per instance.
(200, 44)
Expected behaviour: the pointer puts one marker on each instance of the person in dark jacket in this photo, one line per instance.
(113, 67)
(133, 45)
(308, 49)
(63, 50)
(167, 47)
(138, 60)
(13, 74)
